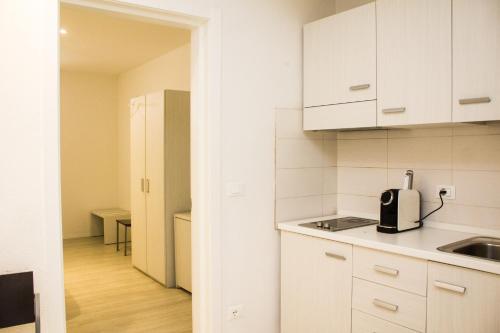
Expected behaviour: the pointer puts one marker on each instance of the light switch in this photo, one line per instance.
(235, 189)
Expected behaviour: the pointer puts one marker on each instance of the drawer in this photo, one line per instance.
(394, 305)
(364, 323)
(349, 115)
(390, 269)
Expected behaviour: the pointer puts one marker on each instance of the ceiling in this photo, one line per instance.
(107, 43)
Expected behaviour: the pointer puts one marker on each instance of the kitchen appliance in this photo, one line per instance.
(340, 223)
(400, 208)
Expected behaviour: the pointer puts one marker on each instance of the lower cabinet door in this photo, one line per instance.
(462, 300)
(316, 283)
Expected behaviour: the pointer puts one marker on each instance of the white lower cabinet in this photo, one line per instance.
(462, 300)
(318, 277)
(365, 323)
(316, 282)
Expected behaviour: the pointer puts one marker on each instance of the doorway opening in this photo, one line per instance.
(125, 166)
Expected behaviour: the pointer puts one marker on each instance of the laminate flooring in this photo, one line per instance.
(105, 294)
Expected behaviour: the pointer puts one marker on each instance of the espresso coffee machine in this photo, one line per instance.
(400, 208)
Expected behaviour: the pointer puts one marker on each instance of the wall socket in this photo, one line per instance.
(234, 312)
(450, 191)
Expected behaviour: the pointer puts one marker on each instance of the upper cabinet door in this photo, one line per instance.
(414, 62)
(476, 60)
(340, 58)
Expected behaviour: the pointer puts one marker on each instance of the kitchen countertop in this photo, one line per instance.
(420, 243)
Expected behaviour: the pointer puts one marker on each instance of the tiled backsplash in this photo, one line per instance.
(306, 173)
(368, 162)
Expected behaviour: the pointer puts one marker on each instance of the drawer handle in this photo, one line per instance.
(359, 87)
(394, 110)
(478, 100)
(450, 287)
(335, 256)
(386, 270)
(385, 305)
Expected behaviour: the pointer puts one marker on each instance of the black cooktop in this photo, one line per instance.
(341, 223)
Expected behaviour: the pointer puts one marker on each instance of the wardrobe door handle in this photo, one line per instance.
(147, 185)
(450, 287)
(142, 184)
(359, 87)
(477, 100)
(385, 305)
(334, 256)
(386, 270)
(394, 110)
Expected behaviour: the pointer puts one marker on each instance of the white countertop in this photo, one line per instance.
(420, 243)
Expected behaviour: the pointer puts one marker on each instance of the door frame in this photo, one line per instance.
(205, 26)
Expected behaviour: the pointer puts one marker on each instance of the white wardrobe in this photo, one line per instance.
(160, 178)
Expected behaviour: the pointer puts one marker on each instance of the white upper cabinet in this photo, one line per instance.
(340, 58)
(414, 62)
(476, 60)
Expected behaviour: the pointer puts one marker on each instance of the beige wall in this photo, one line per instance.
(88, 150)
(169, 71)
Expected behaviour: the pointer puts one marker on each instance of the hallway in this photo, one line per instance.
(105, 294)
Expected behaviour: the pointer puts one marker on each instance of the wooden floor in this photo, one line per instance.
(104, 293)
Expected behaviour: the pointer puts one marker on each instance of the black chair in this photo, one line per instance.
(19, 304)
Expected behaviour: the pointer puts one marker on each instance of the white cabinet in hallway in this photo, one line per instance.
(340, 70)
(160, 178)
(462, 300)
(476, 60)
(316, 284)
(182, 231)
(413, 62)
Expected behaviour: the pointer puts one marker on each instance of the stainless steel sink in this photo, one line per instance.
(479, 247)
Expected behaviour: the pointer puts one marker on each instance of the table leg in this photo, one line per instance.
(117, 237)
(126, 241)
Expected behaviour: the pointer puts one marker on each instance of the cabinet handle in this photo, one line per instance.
(386, 270)
(385, 305)
(394, 110)
(147, 185)
(359, 87)
(478, 100)
(450, 287)
(335, 256)
(142, 184)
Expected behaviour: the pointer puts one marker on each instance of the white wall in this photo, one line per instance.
(169, 71)
(89, 150)
(29, 188)
(262, 71)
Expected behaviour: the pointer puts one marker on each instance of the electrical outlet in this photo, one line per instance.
(450, 191)
(234, 312)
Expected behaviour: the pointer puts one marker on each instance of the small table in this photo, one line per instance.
(108, 218)
(126, 223)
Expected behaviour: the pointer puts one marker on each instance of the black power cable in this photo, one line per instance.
(441, 193)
